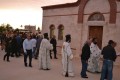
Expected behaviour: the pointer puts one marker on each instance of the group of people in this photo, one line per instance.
(91, 55)
(41, 49)
(12, 43)
(44, 50)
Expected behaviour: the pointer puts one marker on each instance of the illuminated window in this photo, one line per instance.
(60, 32)
(52, 28)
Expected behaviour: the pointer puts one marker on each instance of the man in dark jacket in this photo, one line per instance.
(54, 43)
(84, 58)
(40, 37)
(14, 46)
(109, 56)
(7, 47)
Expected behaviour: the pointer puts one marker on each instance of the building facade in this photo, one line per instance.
(30, 28)
(83, 19)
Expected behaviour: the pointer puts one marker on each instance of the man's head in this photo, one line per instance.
(46, 35)
(94, 40)
(54, 36)
(112, 43)
(89, 41)
(68, 38)
(28, 36)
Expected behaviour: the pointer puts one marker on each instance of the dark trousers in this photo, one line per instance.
(55, 53)
(84, 68)
(6, 55)
(36, 54)
(29, 53)
(107, 69)
(14, 52)
(19, 50)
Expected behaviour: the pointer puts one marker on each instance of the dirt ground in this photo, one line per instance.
(15, 70)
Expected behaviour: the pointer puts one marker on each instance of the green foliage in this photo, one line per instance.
(5, 27)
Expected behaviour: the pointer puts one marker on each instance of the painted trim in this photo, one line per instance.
(60, 15)
(113, 11)
(76, 14)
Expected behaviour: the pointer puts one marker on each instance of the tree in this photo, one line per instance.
(5, 27)
(16, 30)
(2, 28)
(8, 27)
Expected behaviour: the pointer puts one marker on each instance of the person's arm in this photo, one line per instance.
(24, 46)
(114, 54)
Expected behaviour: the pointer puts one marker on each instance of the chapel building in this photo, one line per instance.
(83, 19)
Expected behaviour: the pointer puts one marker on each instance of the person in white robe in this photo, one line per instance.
(67, 58)
(93, 61)
(44, 55)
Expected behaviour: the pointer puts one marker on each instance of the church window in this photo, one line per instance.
(96, 17)
(60, 32)
(52, 28)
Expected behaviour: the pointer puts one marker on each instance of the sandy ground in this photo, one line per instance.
(15, 70)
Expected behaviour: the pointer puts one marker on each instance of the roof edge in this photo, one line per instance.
(62, 5)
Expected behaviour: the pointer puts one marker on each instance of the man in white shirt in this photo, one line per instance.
(34, 45)
(28, 49)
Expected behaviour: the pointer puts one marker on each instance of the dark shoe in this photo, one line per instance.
(47, 69)
(66, 75)
(36, 58)
(12, 55)
(30, 65)
(3, 59)
(55, 58)
(97, 72)
(84, 76)
(20, 55)
(25, 64)
(50, 57)
(8, 60)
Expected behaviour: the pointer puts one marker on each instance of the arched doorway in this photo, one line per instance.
(97, 30)
(60, 32)
(52, 28)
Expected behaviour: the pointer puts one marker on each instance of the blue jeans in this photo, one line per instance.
(107, 68)
(84, 68)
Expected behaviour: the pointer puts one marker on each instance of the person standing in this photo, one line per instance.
(28, 49)
(19, 43)
(67, 56)
(54, 43)
(44, 55)
(93, 61)
(14, 46)
(7, 47)
(84, 58)
(40, 37)
(109, 56)
(34, 45)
